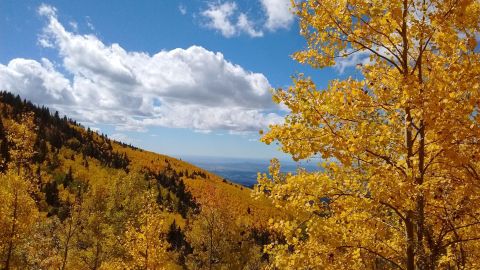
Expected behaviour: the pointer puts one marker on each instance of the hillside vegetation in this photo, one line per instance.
(71, 198)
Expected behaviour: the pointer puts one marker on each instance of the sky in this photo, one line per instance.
(182, 78)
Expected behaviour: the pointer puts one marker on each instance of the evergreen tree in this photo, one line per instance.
(5, 157)
(68, 177)
(177, 241)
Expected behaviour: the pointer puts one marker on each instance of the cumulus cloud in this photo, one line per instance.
(278, 14)
(185, 88)
(229, 21)
(221, 17)
(40, 82)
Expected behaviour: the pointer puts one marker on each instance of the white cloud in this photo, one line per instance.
(221, 17)
(352, 60)
(122, 138)
(89, 23)
(205, 117)
(278, 14)
(96, 129)
(240, 133)
(46, 10)
(74, 25)
(245, 25)
(185, 88)
(226, 18)
(39, 82)
(44, 42)
(182, 9)
(202, 131)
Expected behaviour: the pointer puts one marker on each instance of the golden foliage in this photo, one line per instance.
(18, 216)
(399, 185)
(21, 135)
(144, 241)
(220, 236)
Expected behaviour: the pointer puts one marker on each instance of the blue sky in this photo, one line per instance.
(175, 77)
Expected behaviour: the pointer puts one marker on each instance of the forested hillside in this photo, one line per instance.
(71, 198)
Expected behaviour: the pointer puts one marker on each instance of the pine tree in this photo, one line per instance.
(68, 177)
(4, 154)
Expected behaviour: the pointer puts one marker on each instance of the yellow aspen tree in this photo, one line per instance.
(18, 215)
(18, 211)
(219, 237)
(96, 238)
(40, 250)
(209, 232)
(144, 241)
(399, 185)
(68, 229)
(21, 136)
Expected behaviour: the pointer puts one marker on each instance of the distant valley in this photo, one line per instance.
(244, 171)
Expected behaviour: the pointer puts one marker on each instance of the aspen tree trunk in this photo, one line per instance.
(12, 231)
(410, 217)
(65, 251)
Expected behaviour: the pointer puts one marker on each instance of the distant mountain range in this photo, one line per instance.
(244, 171)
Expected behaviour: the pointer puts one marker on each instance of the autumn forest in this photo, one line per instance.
(397, 143)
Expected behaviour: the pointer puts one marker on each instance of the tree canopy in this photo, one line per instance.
(399, 185)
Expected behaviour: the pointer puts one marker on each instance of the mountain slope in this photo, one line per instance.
(104, 204)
